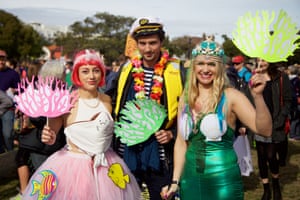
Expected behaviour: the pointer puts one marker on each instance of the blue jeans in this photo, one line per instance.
(295, 129)
(295, 125)
(7, 120)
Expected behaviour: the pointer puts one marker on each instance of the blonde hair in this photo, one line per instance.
(219, 84)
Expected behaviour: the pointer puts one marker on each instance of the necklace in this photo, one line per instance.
(138, 76)
(92, 103)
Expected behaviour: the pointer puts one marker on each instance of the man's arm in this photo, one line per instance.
(5, 102)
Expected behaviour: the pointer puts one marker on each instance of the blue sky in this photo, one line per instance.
(181, 17)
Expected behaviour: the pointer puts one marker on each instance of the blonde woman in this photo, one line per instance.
(205, 163)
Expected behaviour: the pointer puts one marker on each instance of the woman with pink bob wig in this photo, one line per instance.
(87, 57)
(87, 167)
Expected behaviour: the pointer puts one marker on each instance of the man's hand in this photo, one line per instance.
(163, 136)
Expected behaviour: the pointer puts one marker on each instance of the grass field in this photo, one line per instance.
(289, 176)
(289, 180)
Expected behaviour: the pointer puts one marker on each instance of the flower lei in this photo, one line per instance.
(138, 75)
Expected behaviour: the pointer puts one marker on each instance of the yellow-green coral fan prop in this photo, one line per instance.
(253, 36)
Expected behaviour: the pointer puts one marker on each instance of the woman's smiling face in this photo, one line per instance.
(89, 76)
(205, 69)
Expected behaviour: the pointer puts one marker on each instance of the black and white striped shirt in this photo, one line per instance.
(148, 78)
(149, 72)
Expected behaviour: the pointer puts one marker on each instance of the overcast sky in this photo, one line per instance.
(181, 17)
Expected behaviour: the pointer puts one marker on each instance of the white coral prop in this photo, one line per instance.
(254, 38)
(47, 97)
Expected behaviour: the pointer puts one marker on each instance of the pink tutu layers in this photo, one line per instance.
(70, 176)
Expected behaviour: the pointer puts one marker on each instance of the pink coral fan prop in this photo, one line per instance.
(46, 97)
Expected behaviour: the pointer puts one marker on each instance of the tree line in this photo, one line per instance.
(103, 32)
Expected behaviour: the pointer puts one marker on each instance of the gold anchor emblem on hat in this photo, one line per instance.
(143, 21)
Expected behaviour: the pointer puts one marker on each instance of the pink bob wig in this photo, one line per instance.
(87, 57)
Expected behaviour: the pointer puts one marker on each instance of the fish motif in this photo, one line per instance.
(116, 174)
(46, 187)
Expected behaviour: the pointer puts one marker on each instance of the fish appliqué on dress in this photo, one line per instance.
(116, 174)
(46, 187)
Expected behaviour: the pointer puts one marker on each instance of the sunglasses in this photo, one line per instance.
(236, 63)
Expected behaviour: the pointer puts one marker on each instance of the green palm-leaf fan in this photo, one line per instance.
(139, 120)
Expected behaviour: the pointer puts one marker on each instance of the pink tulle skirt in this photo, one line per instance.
(67, 175)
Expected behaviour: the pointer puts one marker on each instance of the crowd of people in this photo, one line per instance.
(190, 156)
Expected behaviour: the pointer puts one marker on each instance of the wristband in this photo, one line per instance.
(175, 182)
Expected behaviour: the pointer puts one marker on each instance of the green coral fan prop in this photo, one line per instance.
(139, 120)
(254, 38)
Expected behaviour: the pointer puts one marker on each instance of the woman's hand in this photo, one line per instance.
(169, 191)
(257, 82)
(242, 130)
(48, 136)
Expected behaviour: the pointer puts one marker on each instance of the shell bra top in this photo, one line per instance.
(212, 125)
(92, 131)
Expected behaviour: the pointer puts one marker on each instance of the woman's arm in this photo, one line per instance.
(179, 156)
(263, 119)
(179, 160)
(5, 102)
(258, 119)
(180, 148)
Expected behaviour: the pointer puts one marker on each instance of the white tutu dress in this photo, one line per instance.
(95, 173)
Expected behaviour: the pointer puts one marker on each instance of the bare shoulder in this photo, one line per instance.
(233, 97)
(104, 97)
(106, 100)
(231, 91)
(233, 94)
(237, 101)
